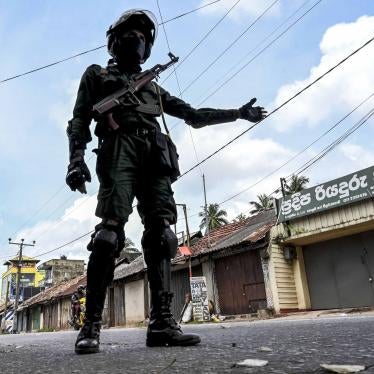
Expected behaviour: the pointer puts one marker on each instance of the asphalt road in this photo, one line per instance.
(297, 346)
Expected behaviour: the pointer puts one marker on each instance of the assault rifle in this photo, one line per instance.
(126, 96)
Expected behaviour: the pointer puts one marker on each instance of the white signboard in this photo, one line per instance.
(199, 299)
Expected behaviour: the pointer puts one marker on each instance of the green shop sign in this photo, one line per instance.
(336, 193)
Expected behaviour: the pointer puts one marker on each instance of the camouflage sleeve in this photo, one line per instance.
(79, 126)
(196, 117)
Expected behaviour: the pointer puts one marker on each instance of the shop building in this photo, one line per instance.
(321, 253)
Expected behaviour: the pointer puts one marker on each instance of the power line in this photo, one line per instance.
(278, 108)
(61, 246)
(230, 46)
(256, 55)
(97, 48)
(176, 77)
(300, 152)
(203, 39)
(258, 45)
(305, 166)
(179, 89)
(37, 211)
(335, 143)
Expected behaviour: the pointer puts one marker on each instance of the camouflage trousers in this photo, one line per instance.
(126, 168)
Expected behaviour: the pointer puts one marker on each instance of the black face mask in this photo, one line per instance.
(131, 49)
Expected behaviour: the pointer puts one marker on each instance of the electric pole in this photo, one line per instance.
(282, 180)
(206, 213)
(19, 265)
(187, 232)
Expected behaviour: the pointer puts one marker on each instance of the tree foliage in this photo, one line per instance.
(296, 184)
(213, 217)
(264, 202)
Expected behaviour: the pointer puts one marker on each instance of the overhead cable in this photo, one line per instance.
(279, 107)
(255, 56)
(300, 152)
(203, 39)
(230, 45)
(96, 48)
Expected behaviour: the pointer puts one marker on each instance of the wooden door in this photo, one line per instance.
(240, 282)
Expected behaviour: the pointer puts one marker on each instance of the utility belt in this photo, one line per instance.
(164, 153)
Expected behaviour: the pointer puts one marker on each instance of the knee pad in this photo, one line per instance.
(159, 243)
(107, 240)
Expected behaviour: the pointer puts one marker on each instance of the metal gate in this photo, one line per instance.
(240, 282)
(180, 285)
(340, 272)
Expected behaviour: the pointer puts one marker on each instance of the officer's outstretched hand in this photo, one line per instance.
(251, 113)
(77, 176)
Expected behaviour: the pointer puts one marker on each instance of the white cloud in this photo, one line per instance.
(241, 10)
(61, 112)
(340, 90)
(78, 219)
(357, 155)
(230, 171)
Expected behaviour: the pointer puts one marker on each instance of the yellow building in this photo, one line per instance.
(30, 276)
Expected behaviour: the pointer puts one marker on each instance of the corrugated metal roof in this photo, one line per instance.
(62, 289)
(251, 230)
(124, 270)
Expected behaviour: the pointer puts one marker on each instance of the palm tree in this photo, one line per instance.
(296, 184)
(264, 202)
(214, 215)
(240, 217)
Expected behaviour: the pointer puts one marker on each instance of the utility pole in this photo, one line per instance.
(282, 186)
(206, 213)
(21, 245)
(187, 232)
(3, 324)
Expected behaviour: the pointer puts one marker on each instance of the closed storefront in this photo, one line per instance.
(340, 272)
(324, 244)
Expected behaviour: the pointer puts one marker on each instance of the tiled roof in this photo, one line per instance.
(65, 288)
(249, 230)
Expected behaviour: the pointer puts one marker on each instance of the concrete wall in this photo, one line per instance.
(66, 269)
(134, 305)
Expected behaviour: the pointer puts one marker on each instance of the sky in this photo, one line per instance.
(37, 205)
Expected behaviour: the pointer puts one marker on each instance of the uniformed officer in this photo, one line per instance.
(129, 165)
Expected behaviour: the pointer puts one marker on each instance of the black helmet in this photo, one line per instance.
(142, 19)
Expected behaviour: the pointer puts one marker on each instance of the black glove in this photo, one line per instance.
(78, 174)
(251, 113)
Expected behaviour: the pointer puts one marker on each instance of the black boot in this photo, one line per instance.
(100, 271)
(88, 340)
(163, 330)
